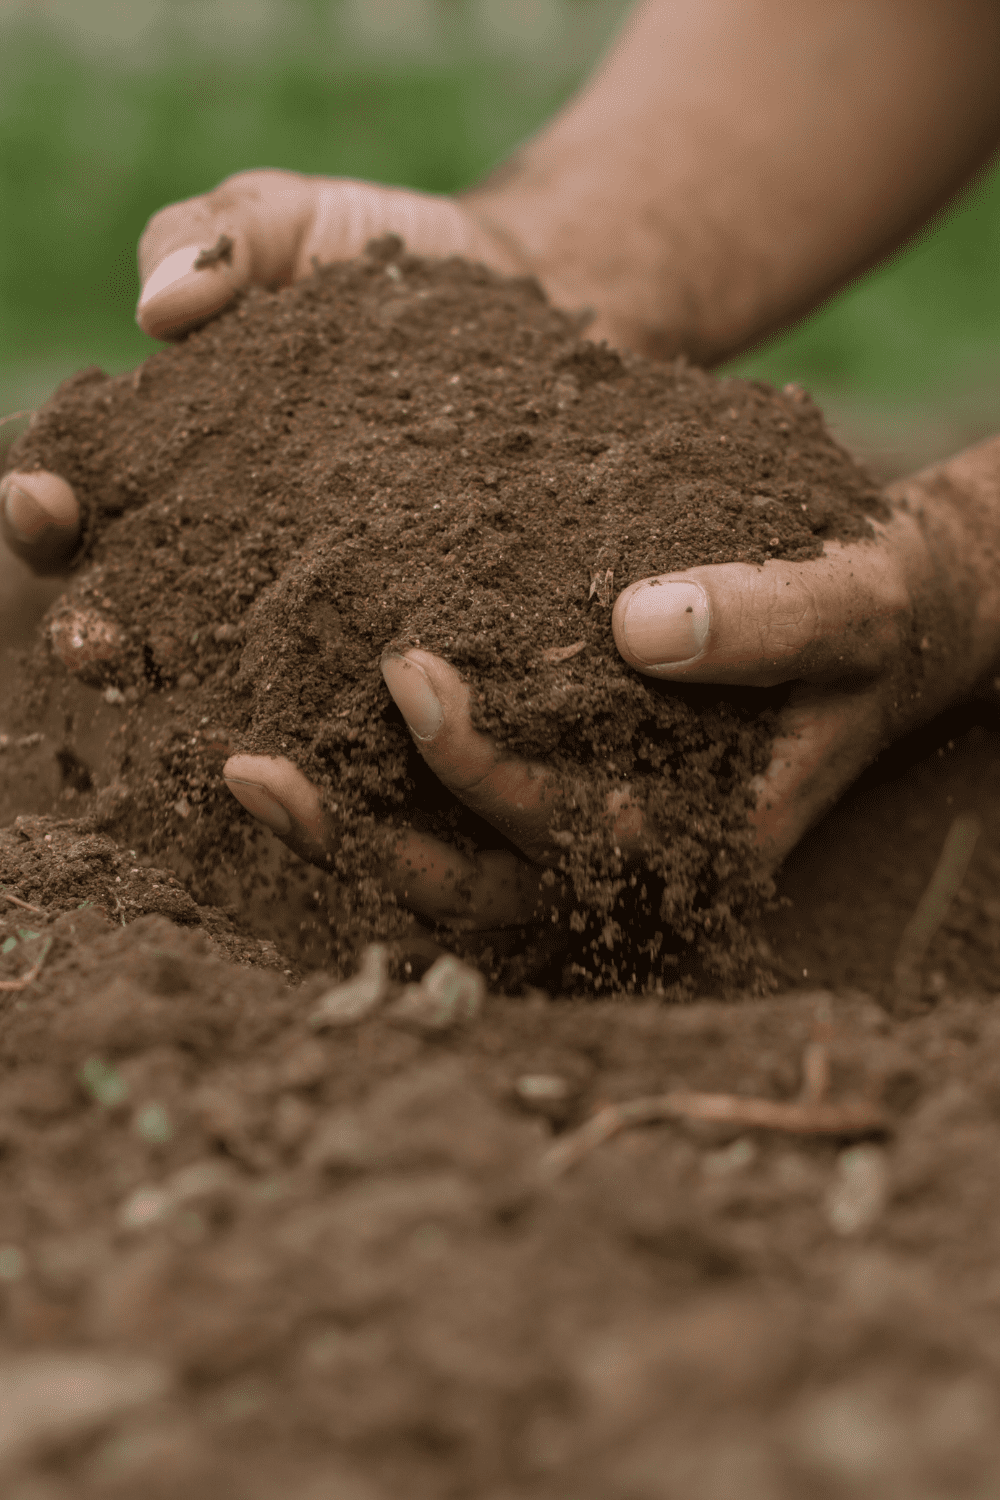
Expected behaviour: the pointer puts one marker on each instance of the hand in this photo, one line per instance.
(260, 228)
(876, 636)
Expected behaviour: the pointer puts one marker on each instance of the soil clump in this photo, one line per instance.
(394, 452)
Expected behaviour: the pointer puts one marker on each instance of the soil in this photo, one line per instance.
(396, 452)
(247, 1256)
(283, 1261)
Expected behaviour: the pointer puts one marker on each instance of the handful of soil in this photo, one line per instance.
(415, 452)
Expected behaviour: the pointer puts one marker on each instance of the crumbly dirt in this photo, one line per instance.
(289, 1262)
(243, 1257)
(397, 452)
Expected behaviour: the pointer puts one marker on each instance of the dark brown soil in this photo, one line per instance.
(400, 451)
(284, 1262)
(243, 1258)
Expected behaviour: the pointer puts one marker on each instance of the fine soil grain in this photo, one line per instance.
(404, 452)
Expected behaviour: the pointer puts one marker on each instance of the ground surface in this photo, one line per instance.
(245, 1257)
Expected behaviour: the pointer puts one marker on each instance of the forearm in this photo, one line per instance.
(733, 162)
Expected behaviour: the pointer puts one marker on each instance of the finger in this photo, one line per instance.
(838, 615)
(40, 519)
(277, 794)
(196, 256)
(516, 796)
(266, 228)
(427, 875)
(824, 742)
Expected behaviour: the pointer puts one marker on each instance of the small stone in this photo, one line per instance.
(147, 1206)
(113, 695)
(541, 1088)
(352, 1002)
(449, 994)
(85, 642)
(186, 681)
(859, 1191)
(224, 634)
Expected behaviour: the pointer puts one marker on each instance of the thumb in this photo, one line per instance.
(196, 256)
(834, 616)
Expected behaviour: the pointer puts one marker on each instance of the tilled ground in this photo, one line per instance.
(247, 1255)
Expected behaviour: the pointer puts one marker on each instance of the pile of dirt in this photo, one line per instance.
(245, 1257)
(399, 451)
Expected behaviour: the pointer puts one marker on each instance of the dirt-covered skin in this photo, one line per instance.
(422, 453)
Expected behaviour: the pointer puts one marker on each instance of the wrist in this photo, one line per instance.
(953, 512)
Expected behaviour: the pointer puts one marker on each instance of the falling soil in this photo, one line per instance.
(401, 452)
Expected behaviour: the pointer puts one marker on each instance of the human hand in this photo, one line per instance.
(876, 637)
(258, 228)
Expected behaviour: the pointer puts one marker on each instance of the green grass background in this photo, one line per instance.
(103, 120)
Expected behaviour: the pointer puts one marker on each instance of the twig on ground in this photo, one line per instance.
(932, 908)
(32, 974)
(27, 412)
(803, 1116)
(24, 905)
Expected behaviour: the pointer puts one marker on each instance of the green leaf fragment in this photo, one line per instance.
(8, 945)
(153, 1124)
(103, 1083)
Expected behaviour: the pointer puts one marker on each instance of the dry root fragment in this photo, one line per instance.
(804, 1116)
(24, 905)
(562, 653)
(953, 862)
(32, 974)
(601, 584)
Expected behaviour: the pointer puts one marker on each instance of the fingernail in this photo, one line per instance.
(175, 265)
(413, 696)
(260, 804)
(28, 515)
(666, 623)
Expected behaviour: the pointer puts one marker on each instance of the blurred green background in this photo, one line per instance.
(111, 108)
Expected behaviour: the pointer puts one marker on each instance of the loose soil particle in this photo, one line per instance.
(399, 451)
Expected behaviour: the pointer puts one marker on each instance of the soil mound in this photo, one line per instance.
(414, 452)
